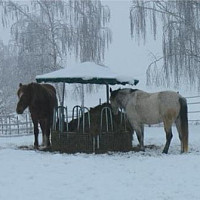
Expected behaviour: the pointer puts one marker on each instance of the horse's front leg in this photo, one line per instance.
(42, 126)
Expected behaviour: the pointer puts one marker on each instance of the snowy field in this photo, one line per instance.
(148, 175)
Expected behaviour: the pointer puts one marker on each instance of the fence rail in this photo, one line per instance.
(193, 109)
(14, 125)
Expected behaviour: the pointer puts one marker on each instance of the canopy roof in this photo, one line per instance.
(86, 72)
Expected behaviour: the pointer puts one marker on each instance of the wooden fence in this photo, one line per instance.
(15, 125)
(193, 109)
(18, 125)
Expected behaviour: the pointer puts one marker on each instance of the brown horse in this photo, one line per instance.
(41, 100)
(95, 121)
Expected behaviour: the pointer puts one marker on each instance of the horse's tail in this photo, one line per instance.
(183, 120)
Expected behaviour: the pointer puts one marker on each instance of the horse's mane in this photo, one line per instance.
(37, 91)
(124, 91)
(41, 92)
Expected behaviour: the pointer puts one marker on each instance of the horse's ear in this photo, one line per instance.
(110, 90)
(20, 85)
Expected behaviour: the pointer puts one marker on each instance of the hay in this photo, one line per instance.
(94, 139)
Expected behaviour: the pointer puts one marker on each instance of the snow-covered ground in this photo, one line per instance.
(148, 175)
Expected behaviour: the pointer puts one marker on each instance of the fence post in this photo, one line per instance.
(26, 124)
(9, 121)
(6, 123)
(2, 125)
(17, 125)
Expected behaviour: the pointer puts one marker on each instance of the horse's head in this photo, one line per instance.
(113, 101)
(24, 96)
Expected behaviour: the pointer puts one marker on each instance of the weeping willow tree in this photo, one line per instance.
(180, 24)
(45, 31)
(59, 27)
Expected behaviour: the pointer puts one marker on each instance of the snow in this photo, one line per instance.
(148, 175)
(86, 71)
(145, 175)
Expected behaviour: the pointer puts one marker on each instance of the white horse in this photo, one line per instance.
(153, 108)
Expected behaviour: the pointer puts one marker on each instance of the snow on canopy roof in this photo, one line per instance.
(86, 72)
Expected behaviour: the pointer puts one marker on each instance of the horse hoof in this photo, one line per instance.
(48, 144)
(45, 148)
(142, 150)
(36, 147)
(165, 152)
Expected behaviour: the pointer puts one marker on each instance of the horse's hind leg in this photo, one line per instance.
(42, 126)
(178, 127)
(168, 131)
(140, 136)
(36, 131)
(48, 137)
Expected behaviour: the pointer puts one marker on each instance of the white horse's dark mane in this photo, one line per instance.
(133, 90)
(115, 92)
